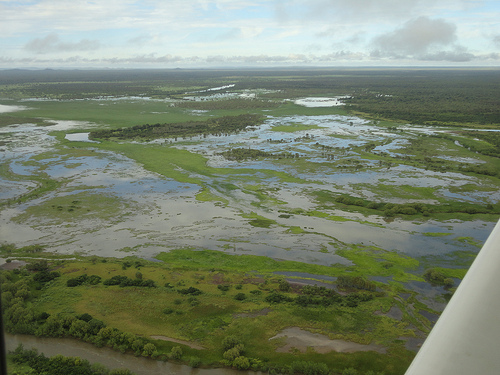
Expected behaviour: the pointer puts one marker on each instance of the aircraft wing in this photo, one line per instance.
(465, 339)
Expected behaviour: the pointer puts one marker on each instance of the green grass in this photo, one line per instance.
(114, 114)
(215, 314)
(436, 234)
(69, 209)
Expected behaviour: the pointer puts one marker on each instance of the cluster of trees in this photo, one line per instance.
(248, 153)
(396, 209)
(436, 277)
(355, 282)
(490, 149)
(333, 298)
(83, 280)
(20, 317)
(120, 280)
(215, 126)
(124, 281)
(60, 365)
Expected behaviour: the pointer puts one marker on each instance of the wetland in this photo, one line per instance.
(268, 182)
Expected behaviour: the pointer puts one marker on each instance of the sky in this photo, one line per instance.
(248, 33)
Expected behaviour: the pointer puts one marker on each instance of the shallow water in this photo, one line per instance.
(162, 214)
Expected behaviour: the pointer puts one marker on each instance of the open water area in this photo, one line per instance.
(159, 213)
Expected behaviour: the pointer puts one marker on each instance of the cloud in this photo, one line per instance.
(496, 40)
(52, 43)
(451, 56)
(415, 37)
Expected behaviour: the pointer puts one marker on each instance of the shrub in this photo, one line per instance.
(230, 342)
(223, 288)
(191, 290)
(175, 353)
(240, 297)
(241, 363)
(194, 362)
(350, 371)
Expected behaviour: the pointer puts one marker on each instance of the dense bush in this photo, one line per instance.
(84, 280)
(436, 277)
(124, 281)
(355, 282)
(191, 291)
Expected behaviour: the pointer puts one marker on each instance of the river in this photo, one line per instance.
(110, 358)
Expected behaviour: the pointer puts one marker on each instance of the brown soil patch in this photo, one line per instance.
(187, 343)
(301, 340)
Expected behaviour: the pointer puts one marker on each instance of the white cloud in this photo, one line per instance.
(416, 36)
(52, 43)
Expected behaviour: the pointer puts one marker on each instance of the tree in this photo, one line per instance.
(149, 350)
(241, 363)
(175, 353)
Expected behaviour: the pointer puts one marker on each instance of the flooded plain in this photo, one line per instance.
(153, 213)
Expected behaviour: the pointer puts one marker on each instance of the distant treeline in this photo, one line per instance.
(427, 96)
(394, 209)
(213, 126)
(248, 153)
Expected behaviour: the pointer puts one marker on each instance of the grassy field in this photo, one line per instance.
(242, 309)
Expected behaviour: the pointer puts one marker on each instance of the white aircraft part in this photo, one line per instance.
(465, 339)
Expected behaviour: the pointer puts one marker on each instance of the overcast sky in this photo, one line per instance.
(241, 33)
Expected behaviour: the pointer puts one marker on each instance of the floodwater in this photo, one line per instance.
(158, 214)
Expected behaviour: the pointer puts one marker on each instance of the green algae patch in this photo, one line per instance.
(469, 241)
(258, 220)
(295, 230)
(436, 234)
(210, 259)
(373, 261)
(205, 195)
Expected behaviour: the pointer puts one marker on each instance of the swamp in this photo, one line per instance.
(270, 220)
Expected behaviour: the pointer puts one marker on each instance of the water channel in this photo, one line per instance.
(110, 358)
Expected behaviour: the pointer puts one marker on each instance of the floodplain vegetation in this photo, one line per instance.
(211, 309)
(207, 308)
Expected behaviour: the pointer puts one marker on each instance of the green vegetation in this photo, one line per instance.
(407, 210)
(29, 362)
(211, 308)
(101, 301)
(213, 126)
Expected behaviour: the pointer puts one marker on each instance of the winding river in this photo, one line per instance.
(110, 358)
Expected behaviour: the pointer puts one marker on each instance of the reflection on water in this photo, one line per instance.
(162, 213)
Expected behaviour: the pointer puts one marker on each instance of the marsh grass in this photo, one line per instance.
(72, 208)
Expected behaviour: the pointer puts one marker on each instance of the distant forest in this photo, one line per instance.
(213, 126)
(421, 96)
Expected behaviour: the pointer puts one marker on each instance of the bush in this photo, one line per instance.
(175, 353)
(45, 276)
(276, 297)
(240, 297)
(194, 362)
(350, 371)
(241, 363)
(191, 290)
(230, 342)
(223, 288)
